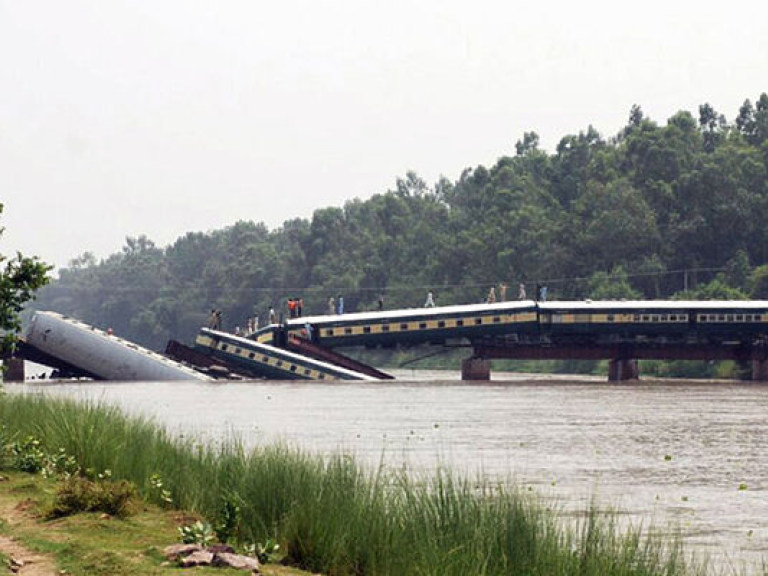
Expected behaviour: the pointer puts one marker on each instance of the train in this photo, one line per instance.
(256, 358)
(100, 353)
(534, 322)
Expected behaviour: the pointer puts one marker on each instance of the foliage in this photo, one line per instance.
(77, 494)
(656, 211)
(198, 532)
(20, 277)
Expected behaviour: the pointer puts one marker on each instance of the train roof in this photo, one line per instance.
(654, 305)
(515, 305)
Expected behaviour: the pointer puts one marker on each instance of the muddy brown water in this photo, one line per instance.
(681, 455)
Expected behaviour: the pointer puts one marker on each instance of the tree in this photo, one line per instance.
(20, 277)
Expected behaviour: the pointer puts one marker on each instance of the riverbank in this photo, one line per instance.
(333, 516)
(88, 543)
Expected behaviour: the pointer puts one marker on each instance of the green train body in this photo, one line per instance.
(579, 322)
(419, 325)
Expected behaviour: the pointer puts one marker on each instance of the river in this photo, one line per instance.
(678, 454)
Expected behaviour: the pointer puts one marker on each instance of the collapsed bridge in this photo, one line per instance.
(309, 348)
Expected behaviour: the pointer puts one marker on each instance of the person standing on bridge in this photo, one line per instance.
(340, 302)
(430, 303)
(272, 316)
(380, 302)
(491, 296)
(502, 291)
(331, 306)
(521, 295)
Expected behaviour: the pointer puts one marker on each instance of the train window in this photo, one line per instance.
(702, 317)
(237, 350)
(683, 318)
(321, 376)
(441, 324)
(347, 330)
(293, 367)
(385, 327)
(307, 372)
(655, 318)
(279, 363)
(422, 325)
(636, 318)
(663, 318)
(252, 355)
(758, 318)
(366, 329)
(224, 347)
(721, 317)
(329, 332)
(610, 318)
(265, 359)
(459, 323)
(739, 317)
(673, 317)
(478, 321)
(403, 326)
(496, 319)
(646, 318)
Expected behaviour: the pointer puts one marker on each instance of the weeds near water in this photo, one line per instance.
(336, 517)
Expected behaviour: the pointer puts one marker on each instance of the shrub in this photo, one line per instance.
(78, 494)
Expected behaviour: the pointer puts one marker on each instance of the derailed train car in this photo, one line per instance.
(101, 354)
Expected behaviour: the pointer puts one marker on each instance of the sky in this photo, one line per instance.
(123, 118)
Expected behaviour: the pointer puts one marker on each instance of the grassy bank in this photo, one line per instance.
(90, 544)
(333, 516)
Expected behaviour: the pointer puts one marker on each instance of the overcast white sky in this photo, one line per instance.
(127, 117)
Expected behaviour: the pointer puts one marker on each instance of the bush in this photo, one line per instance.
(77, 494)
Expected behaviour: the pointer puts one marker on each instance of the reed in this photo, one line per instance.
(332, 515)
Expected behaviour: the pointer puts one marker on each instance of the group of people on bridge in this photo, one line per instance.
(336, 306)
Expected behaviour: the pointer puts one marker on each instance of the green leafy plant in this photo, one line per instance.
(265, 552)
(197, 533)
(60, 464)
(28, 456)
(230, 520)
(158, 492)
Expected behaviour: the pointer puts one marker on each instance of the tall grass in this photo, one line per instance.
(334, 516)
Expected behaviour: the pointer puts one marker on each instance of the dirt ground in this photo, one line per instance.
(23, 561)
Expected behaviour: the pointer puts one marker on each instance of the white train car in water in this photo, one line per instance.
(100, 353)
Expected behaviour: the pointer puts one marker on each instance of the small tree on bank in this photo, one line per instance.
(20, 277)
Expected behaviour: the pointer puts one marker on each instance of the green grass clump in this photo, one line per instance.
(334, 516)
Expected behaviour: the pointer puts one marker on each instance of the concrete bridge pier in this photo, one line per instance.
(620, 369)
(474, 368)
(14, 369)
(760, 370)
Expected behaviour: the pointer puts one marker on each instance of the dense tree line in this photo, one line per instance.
(656, 211)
